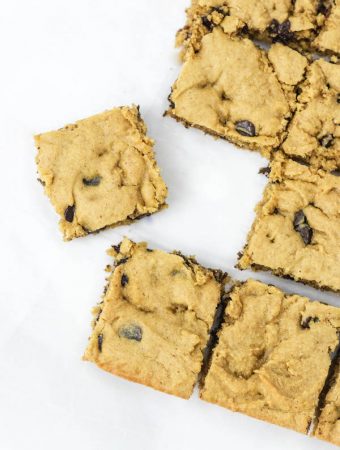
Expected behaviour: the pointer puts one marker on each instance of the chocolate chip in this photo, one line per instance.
(298, 90)
(69, 213)
(95, 181)
(149, 250)
(100, 342)
(305, 323)
(124, 281)
(281, 31)
(265, 171)
(300, 160)
(327, 140)
(121, 261)
(301, 226)
(245, 128)
(41, 181)
(244, 29)
(207, 23)
(338, 98)
(336, 172)
(116, 248)
(132, 332)
(323, 9)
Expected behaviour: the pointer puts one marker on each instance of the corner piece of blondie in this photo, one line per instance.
(100, 172)
(154, 322)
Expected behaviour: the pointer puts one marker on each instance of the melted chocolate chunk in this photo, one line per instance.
(265, 171)
(305, 323)
(131, 332)
(280, 32)
(121, 261)
(245, 128)
(302, 227)
(95, 181)
(207, 23)
(116, 248)
(69, 213)
(124, 281)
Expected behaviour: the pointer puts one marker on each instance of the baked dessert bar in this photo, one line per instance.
(235, 90)
(153, 324)
(311, 25)
(296, 232)
(100, 172)
(328, 425)
(314, 132)
(273, 355)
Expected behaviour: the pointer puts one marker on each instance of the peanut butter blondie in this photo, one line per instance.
(154, 322)
(231, 88)
(273, 355)
(296, 232)
(311, 25)
(314, 132)
(328, 426)
(100, 172)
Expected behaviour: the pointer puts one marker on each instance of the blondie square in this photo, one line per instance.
(235, 90)
(296, 232)
(328, 425)
(100, 172)
(154, 322)
(273, 355)
(314, 132)
(311, 25)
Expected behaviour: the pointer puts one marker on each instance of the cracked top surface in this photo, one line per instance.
(155, 319)
(296, 232)
(231, 80)
(328, 427)
(273, 355)
(314, 132)
(302, 24)
(100, 171)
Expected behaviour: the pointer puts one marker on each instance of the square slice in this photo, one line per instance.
(314, 132)
(296, 232)
(235, 90)
(100, 172)
(273, 355)
(328, 426)
(154, 322)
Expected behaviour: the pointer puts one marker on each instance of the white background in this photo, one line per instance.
(61, 61)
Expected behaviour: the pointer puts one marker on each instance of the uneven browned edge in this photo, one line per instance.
(281, 274)
(221, 277)
(127, 221)
(251, 147)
